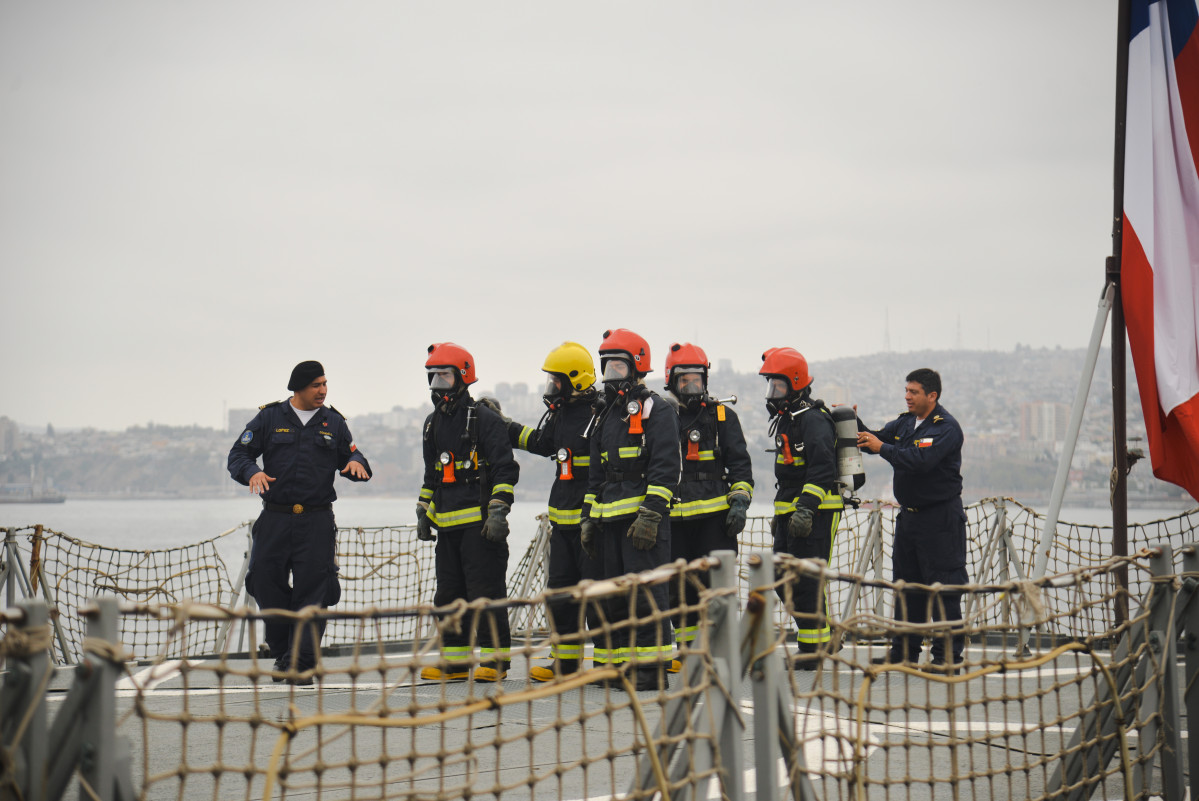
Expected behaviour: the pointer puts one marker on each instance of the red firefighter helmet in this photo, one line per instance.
(686, 355)
(788, 363)
(622, 341)
(447, 354)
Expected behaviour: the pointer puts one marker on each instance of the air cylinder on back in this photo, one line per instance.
(850, 471)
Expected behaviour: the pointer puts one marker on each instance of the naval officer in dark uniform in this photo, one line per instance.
(293, 563)
(924, 446)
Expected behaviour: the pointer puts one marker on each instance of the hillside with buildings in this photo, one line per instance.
(1014, 408)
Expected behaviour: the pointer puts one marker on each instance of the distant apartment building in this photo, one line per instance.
(1043, 421)
(8, 436)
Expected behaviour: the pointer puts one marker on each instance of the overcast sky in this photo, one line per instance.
(196, 196)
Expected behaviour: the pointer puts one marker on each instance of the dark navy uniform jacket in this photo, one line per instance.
(716, 463)
(927, 460)
(303, 459)
(805, 464)
(563, 428)
(631, 470)
(489, 473)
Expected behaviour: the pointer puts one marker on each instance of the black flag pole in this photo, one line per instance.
(1119, 483)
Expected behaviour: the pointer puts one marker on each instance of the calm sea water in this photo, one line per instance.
(154, 524)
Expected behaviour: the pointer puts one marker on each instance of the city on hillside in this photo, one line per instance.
(1013, 406)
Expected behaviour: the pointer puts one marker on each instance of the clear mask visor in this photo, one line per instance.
(776, 388)
(616, 370)
(689, 383)
(441, 377)
(553, 386)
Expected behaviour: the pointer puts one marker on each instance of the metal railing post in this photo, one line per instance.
(765, 671)
(23, 703)
(1162, 643)
(98, 755)
(1190, 626)
(726, 653)
(874, 532)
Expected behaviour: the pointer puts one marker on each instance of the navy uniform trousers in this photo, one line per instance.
(930, 547)
(293, 564)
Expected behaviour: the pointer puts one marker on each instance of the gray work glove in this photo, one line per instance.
(734, 521)
(495, 527)
(800, 524)
(589, 538)
(424, 527)
(494, 405)
(644, 531)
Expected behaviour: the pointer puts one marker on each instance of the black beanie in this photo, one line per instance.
(304, 374)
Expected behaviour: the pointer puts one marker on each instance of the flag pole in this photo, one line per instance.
(1119, 484)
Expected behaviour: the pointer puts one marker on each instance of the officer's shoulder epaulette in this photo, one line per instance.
(937, 418)
(339, 414)
(269, 405)
(905, 414)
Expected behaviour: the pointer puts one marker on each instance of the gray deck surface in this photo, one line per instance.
(547, 751)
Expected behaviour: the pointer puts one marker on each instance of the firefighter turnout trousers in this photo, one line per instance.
(808, 597)
(471, 566)
(640, 634)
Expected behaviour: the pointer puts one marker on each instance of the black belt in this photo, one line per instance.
(295, 508)
(926, 507)
(702, 476)
(614, 476)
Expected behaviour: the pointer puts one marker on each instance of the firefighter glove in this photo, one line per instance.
(494, 405)
(644, 531)
(424, 527)
(800, 524)
(734, 521)
(495, 527)
(589, 538)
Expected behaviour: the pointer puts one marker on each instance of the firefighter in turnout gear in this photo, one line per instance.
(717, 480)
(626, 512)
(469, 480)
(807, 505)
(569, 395)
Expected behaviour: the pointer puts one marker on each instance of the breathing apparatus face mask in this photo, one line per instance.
(618, 375)
(556, 391)
(442, 384)
(777, 391)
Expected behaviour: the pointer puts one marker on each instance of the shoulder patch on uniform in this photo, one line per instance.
(937, 418)
(905, 414)
(269, 405)
(246, 436)
(339, 414)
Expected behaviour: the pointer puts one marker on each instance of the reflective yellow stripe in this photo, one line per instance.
(701, 507)
(566, 517)
(624, 506)
(653, 653)
(522, 441)
(581, 461)
(742, 486)
(686, 633)
(503, 488)
(705, 456)
(456, 653)
(661, 492)
(425, 494)
(814, 636)
(492, 653)
(602, 656)
(560, 651)
(461, 517)
(781, 458)
(828, 500)
(630, 452)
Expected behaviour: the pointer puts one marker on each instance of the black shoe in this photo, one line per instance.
(280, 669)
(939, 666)
(805, 660)
(301, 681)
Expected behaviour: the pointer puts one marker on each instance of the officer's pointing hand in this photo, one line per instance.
(869, 442)
(356, 470)
(260, 482)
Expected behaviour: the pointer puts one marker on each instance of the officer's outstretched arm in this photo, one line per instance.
(921, 459)
(354, 465)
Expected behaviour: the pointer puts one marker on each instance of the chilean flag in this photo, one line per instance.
(1160, 253)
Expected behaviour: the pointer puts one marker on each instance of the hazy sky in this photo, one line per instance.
(196, 196)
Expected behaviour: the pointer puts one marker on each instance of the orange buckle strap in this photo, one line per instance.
(788, 458)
